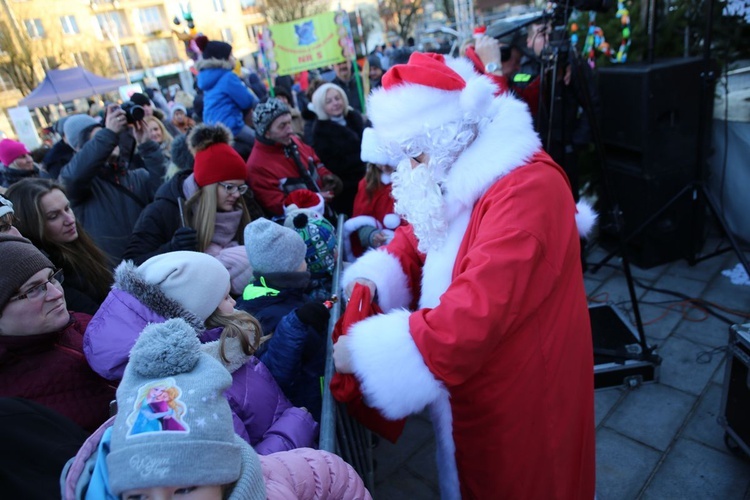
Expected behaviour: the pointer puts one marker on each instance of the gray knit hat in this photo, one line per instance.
(273, 248)
(174, 426)
(21, 260)
(73, 127)
(266, 112)
(195, 280)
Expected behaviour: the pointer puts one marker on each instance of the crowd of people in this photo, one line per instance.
(164, 303)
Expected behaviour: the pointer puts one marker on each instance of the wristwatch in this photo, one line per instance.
(491, 67)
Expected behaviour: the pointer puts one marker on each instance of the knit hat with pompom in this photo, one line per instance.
(215, 160)
(174, 425)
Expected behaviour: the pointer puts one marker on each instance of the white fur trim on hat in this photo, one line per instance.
(372, 151)
(407, 110)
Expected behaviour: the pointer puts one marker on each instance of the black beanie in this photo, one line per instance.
(217, 50)
(21, 260)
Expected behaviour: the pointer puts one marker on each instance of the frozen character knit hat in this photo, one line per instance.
(6, 206)
(273, 248)
(215, 160)
(319, 99)
(21, 260)
(174, 426)
(319, 237)
(265, 113)
(73, 127)
(195, 280)
(304, 198)
(11, 150)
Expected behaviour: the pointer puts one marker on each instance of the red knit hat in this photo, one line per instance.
(215, 160)
(426, 93)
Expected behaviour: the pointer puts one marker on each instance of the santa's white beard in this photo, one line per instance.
(420, 200)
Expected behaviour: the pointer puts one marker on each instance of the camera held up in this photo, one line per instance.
(133, 112)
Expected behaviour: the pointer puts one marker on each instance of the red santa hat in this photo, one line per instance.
(427, 92)
(304, 199)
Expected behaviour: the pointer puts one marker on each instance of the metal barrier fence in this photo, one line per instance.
(339, 432)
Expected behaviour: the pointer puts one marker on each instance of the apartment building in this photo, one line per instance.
(118, 38)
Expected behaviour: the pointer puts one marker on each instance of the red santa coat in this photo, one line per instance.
(500, 347)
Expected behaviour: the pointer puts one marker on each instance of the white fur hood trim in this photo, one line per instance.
(386, 272)
(393, 376)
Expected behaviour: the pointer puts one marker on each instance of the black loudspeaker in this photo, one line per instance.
(650, 127)
(666, 238)
(650, 114)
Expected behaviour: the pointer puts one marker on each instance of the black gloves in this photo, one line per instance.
(314, 314)
(185, 238)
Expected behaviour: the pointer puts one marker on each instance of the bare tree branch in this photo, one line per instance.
(284, 11)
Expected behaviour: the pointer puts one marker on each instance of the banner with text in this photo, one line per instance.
(308, 43)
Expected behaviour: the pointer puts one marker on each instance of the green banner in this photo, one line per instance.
(308, 43)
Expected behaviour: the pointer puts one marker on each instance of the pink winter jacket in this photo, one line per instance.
(311, 474)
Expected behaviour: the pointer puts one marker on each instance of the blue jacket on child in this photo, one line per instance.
(295, 354)
(225, 97)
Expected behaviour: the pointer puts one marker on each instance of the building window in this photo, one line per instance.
(69, 25)
(252, 32)
(162, 51)
(112, 23)
(226, 35)
(219, 5)
(245, 4)
(129, 54)
(34, 28)
(151, 20)
(6, 84)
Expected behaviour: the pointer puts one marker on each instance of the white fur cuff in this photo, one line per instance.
(392, 373)
(386, 272)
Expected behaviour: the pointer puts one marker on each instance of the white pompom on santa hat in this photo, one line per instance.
(427, 92)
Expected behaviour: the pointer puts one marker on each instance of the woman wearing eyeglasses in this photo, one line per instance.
(202, 210)
(41, 343)
(43, 215)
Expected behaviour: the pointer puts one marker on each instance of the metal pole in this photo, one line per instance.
(327, 440)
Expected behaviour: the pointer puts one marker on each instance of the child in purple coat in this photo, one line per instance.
(195, 287)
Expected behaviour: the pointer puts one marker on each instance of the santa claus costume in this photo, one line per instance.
(486, 321)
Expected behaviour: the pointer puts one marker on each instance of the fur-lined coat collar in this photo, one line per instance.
(128, 280)
(213, 64)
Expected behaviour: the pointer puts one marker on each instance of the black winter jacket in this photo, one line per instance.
(339, 147)
(152, 234)
(106, 203)
(56, 158)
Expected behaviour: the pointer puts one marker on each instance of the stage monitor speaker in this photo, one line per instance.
(650, 114)
(735, 401)
(665, 239)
